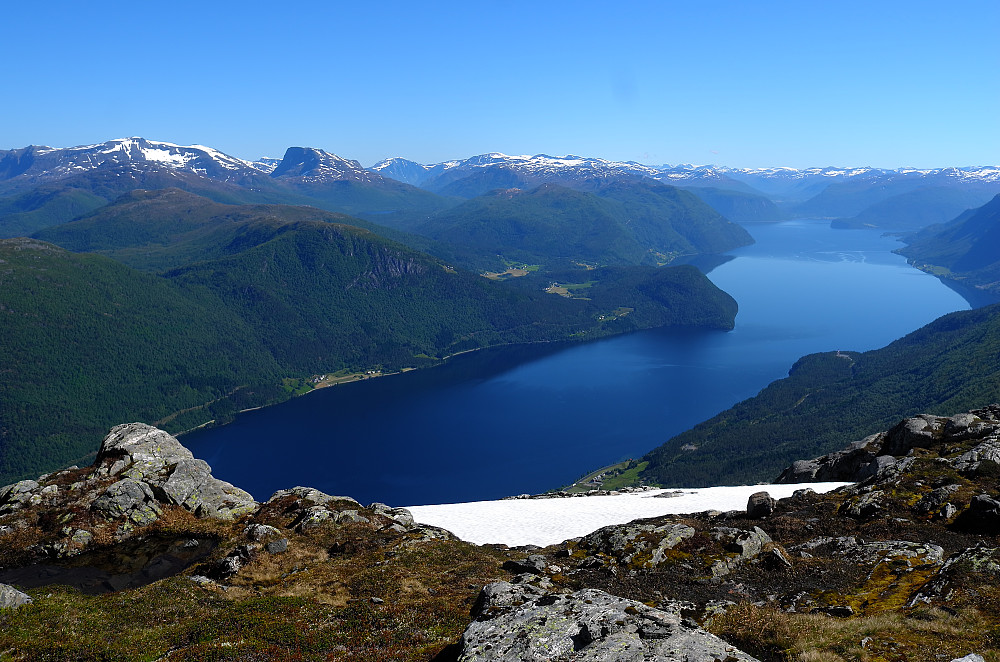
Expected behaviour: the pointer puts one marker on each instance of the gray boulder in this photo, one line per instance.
(261, 532)
(519, 624)
(149, 456)
(866, 506)
(312, 494)
(11, 598)
(760, 505)
(534, 564)
(916, 432)
(982, 515)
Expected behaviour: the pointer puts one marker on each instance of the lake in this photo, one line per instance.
(527, 419)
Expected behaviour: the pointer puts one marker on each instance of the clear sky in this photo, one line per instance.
(746, 84)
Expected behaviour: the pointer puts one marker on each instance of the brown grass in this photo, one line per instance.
(924, 635)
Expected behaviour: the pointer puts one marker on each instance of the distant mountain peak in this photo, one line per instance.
(314, 164)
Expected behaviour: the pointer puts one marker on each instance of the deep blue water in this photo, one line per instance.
(494, 423)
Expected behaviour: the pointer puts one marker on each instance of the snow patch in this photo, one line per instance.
(544, 522)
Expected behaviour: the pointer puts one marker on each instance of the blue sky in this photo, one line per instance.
(743, 84)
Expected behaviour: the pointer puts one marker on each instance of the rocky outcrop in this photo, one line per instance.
(516, 623)
(891, 452)
(151, 457)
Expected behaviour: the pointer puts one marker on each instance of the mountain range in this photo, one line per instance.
(863, 197)
(43, 186)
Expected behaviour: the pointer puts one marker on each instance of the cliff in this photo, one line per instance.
(145, 555)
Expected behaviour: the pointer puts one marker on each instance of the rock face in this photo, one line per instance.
(520, 624)
(159, 468)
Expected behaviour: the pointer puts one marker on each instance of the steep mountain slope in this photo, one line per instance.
(886, 197)
(168, 228)
(739, 206)
(87, 341)
(964, 250)
(829, 399)
(619, 223)
(57, 201)
(915, 209)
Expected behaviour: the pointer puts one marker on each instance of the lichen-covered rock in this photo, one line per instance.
(987, 451)
(872, 553)
(747, 544)
(517, 624)
(982, 563)
(260, 532)
(643, 545)
(149, 456)
(11, 598)
(866, 506)
(18, 495)
(312, 494)
(129, 499)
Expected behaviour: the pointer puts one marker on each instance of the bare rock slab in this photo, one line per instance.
(518, 624)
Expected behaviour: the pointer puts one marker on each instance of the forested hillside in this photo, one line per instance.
(831, 399)
(615, 224)
(966, 250)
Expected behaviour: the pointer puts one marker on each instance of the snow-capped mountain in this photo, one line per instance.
(542, 167)
(310, 164)
(485, 172)
(44, 163)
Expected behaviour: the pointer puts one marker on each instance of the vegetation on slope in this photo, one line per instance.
(168, 228)
(831, 399)
(618, 223)
(964, 250)
(88, 342)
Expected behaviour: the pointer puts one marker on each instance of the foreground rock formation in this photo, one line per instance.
(168, 561)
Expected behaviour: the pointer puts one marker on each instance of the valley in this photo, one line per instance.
(528, 419)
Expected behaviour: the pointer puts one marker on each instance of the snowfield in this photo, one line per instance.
(543, 522)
